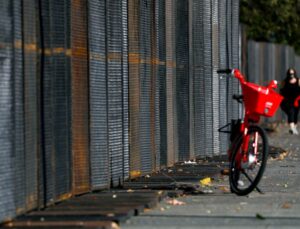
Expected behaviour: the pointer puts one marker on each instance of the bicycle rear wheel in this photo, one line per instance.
(245, 174)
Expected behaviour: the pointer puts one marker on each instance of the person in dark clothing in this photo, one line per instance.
(290, 90)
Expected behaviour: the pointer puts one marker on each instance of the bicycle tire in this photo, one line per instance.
(235, 172)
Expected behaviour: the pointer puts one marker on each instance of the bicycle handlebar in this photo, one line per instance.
(235, 72)
(224, 71)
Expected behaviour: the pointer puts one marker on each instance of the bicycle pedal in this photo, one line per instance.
(225, 172)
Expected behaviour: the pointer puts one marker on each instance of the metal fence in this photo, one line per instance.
(215, 45)
(94, 92)
(267, 61)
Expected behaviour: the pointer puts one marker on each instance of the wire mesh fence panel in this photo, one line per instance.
(269, 57)
(172, 150)
(280, 72)
(182, 80)
(31, 94)
(115, 89)
(79, 97)
(216, 112)
(154, 92)
(125, 88)
(252, 61)
(268, 68)
(235, 4)
(199, 95)
(134, 89)
(277, 75)
(290, 56)
(223, 79)
(100, 169)
(208, 81)
(230, 102)
(207, 77)
(155, 122)
(160, 59)
(228, 19)
(56, 97)
(47, 90)
(61, 84)
(215, 44)
(233, 55)
(18, 82)
(191, 80)
(262, 63)
(7, 205)
(154, 114)
(145, 86)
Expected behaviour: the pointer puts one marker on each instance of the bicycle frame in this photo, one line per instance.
(245, 154)
(249, 116)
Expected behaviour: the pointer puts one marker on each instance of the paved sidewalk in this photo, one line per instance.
(279, 207)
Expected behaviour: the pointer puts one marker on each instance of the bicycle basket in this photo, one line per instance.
(260, 100)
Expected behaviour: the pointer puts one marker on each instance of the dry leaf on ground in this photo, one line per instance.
(282, 156)
(259, 216)
(286, 205)
(224, 189)
(175, 202)
(206, 181)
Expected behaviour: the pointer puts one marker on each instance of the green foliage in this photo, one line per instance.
(272, 21)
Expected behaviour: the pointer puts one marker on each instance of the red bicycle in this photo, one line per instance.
(249, 143)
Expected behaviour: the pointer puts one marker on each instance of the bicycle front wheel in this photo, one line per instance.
(246, 169)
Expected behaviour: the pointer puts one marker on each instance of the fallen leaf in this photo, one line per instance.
(286, 205)
(225, 172)
(175, 202)
(259, 216)
(134, 174)
(206, 181)
(114, 225)
(282, 156)
(224, 189)
(243, 203)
